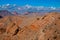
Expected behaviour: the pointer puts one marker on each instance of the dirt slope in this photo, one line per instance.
(35, 27)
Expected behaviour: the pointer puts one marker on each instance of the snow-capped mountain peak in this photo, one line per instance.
(28, 8)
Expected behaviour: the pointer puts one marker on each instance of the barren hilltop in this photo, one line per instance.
(30, 27)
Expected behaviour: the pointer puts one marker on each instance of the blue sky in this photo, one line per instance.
(47, 3)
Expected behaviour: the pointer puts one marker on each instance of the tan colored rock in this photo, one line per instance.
(36, 27)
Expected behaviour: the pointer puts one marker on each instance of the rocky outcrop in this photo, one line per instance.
(46, 27)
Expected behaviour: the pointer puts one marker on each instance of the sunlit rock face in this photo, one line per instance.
(30, 27)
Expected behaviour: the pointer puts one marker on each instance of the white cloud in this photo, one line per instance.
(7, 4)
(53, 8)
(19, 8)
(28, 6)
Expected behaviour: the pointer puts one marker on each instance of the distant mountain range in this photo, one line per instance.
(5, 13)
(14, 9)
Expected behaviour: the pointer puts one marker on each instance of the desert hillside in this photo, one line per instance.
(30, 27)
